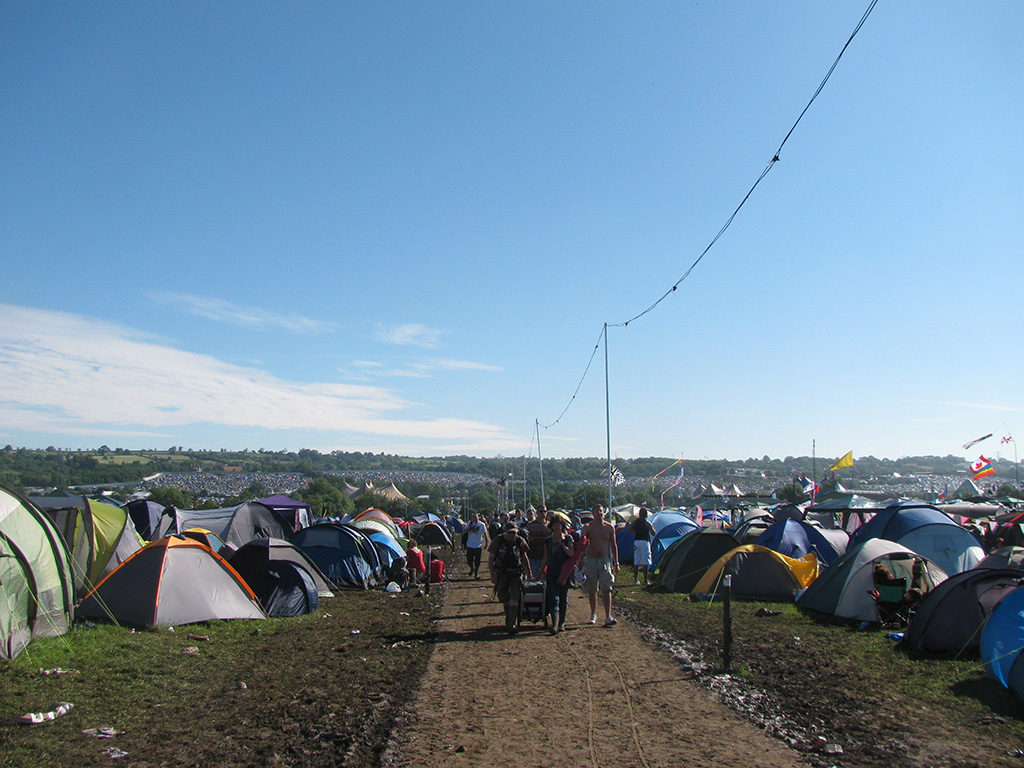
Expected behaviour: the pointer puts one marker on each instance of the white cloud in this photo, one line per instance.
(410, 334)
(423, 370)
(255, 318)
(62, 373)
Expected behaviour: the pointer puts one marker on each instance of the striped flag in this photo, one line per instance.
(982, 468)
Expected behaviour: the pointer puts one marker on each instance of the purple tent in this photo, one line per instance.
(296, 511)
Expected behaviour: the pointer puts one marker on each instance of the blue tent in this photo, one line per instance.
(668, 535)
(455, 524)
(1003, 639)
(388, 547)
(660, 519)
(624, 542)
(340, 552)
(927, 531)
(795, 539)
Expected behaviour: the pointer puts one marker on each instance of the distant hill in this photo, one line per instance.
(22, 467)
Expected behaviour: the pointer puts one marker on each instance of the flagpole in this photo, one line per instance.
(814, 460)
(607, 419)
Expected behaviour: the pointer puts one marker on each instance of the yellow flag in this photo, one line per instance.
(846, 461)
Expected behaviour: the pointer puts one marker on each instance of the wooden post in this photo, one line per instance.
(726, 623)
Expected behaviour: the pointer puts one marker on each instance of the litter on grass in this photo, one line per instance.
(33, 718)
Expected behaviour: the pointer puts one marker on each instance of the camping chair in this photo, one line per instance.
(892, 608)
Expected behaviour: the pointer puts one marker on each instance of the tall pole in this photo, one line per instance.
(814, 460)
(1016, 470)
(525, 459)
(607, 418)
(540, 462)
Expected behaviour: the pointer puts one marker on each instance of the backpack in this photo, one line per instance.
(508, 557)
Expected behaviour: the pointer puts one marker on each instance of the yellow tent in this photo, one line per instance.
(759, 573)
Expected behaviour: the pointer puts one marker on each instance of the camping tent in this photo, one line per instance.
(36, 587)
(668, 535)
(843, 589)
(389, 524)
(685, 561)
(145, 516)
(172, 581)
(297, 512)
(431, 535)
(283, 577)
(968, 489)
(796, 538)
(759, 573)
(234, 525)
(927, 531)
(274, 550)
(625, 513)
(340, 552)
(99, 536)
(1004, 557)
(950, 617)
(388, 548)
(1002, 641)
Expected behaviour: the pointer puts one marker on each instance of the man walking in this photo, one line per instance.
(476, 540)
(602, 558)
(508, 563)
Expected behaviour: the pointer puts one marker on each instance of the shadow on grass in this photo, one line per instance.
(983, 689)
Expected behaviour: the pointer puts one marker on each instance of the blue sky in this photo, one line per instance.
(400, 227)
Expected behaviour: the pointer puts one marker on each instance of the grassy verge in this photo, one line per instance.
(832, 683)
(317, 690)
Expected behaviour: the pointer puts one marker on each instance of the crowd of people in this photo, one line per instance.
(525, 549)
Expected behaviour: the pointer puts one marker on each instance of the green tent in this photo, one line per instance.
(686, 560)
(35, 576)
(100, 536)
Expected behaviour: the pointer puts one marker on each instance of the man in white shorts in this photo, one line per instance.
(601, 559)
(643, 531)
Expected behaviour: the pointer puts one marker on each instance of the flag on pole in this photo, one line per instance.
(843, 463)
(1007, 439)
(969, 443)
(616, 475)
(699, 517)
(982, 468)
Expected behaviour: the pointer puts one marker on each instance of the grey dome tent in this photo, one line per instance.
(261, 551)
(950, 618)
(842, 589)
(146, 517)
(234, 525)
(172, 581)
(432, 534)
(36, 589)
(1004, 557)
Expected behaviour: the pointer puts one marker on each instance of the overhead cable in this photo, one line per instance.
(767, 169)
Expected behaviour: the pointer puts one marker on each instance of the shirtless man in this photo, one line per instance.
(602, 556)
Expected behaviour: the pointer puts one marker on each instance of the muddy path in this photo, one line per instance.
(590, 696)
